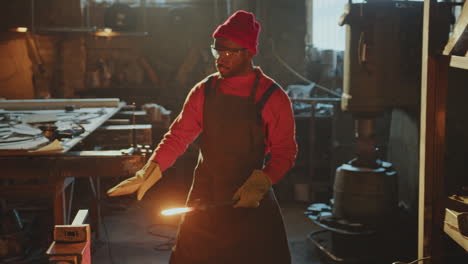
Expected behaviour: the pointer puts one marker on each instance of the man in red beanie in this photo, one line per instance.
(241, 115)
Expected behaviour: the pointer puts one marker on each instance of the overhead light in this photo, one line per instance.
(20, 29)
(106, 32)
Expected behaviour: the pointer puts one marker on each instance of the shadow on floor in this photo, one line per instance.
(134, 232)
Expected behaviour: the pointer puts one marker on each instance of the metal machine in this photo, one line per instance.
(382, 66)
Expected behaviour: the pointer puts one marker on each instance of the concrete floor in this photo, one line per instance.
(127, 226)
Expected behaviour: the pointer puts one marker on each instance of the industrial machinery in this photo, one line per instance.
(382, 66)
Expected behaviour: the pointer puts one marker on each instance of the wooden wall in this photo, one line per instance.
(175, 53)
(46, 64)
(15, 68)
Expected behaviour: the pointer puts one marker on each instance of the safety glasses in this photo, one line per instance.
(217, 52)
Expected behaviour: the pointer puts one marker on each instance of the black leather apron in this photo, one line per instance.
(232, 146)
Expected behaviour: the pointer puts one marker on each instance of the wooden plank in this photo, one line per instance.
(59, 204)
(424, 216)
(98, 153)
(115, 121)
(67, 249)
(141, 117)
(47, 104)
(456, 236)
(454, 226)
(432, 151)
(457, 203)
(96, 218)
(63, 259)
(459, 62)
(422, 228)
(80, 217)
(458, 41)
(81, 252)
(120, 128)
(456, 219)
(131, 113)
(120, 136)
(62, 201)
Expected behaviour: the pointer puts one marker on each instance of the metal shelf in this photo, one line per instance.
(66, 29)
(91, 30)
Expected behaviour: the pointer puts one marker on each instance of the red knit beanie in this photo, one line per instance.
(242, 28)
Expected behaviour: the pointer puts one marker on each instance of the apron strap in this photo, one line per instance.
(266, 95)
(255, 86)
(208, 84)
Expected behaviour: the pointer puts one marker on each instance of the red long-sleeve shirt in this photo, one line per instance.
(278, 124)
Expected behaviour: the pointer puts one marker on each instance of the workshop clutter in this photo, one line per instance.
(157, 113)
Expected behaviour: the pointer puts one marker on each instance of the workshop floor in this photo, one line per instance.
(133, 232)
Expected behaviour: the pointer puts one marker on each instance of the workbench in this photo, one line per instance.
(40, 167)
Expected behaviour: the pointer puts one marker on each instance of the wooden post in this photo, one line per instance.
(432, 195)
(59, 204)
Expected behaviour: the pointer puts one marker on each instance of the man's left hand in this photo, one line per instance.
(252, 191)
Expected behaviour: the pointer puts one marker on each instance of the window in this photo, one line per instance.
(326, 33)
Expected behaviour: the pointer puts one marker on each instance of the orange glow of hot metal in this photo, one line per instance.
(175, 211)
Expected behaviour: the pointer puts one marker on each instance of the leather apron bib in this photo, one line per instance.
(232, 146)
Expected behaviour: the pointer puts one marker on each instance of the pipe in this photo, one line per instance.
(33, 26)
(228, 7)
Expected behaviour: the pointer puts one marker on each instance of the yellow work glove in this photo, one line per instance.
(140, 183)
(253, 190)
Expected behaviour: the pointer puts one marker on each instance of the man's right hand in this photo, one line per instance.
(140, 183)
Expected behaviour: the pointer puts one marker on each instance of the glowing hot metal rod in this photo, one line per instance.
(183, 210)
(175, 211)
